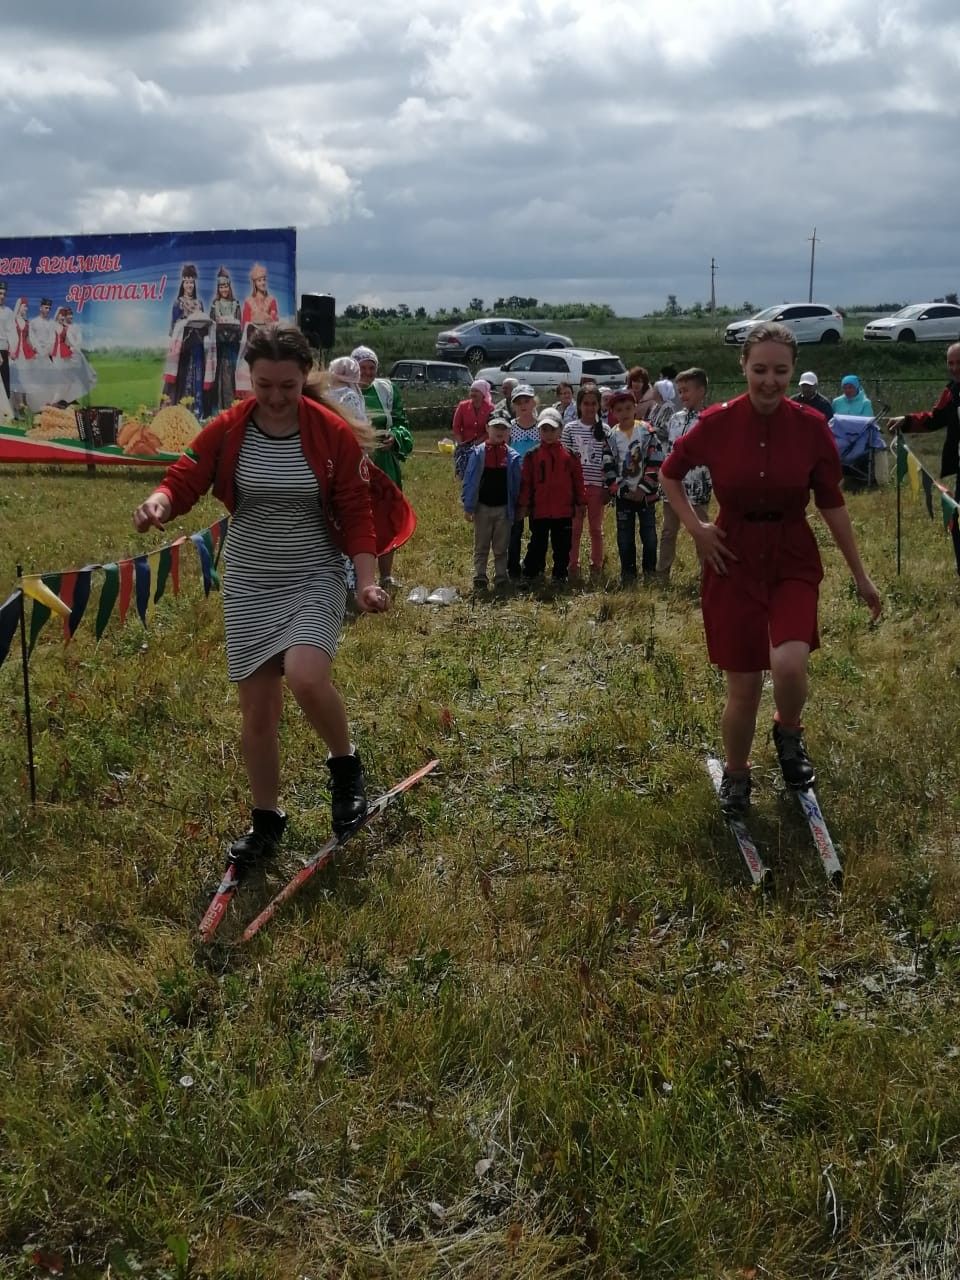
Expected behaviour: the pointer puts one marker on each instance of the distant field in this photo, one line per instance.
(903, 376)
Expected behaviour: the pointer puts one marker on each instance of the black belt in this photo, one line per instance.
(763, 517)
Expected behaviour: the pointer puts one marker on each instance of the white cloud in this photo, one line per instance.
(543, 146)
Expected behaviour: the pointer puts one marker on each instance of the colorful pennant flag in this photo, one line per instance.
(175, 564)
(913, 467)
(902, 452)
(927, 481)
(204, 551)
(10, 612)
(141, 568)
(108, 596)
(42, 590)
(126, 588)
(81, 598)
(163, 572)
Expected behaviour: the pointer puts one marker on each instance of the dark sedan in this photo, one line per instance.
(430, 373)
(478, 341)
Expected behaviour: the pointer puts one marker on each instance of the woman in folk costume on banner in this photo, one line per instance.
(189, 369)
(762, 568)
(293, 475)
(20, 355)
(75, 377)
(260, 307)
(225, 314)
(389, 420)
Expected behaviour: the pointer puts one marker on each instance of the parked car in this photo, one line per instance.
(920, 322)
(430, 373)
(480, 340)
(548, 367)
(808, 321)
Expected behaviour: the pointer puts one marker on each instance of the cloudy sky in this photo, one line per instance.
(568, 149)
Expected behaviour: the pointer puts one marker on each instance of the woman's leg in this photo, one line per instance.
(261, 705)
(788, 666)
(596, 504)
(307, 670)
(739, 721)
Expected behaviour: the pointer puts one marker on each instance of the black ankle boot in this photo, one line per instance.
(348, 792)
(795, 765)
(735, 794)
(260, 841)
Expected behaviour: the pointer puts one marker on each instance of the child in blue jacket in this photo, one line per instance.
(491, 485)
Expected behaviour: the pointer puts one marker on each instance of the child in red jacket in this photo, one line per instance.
(551, 489)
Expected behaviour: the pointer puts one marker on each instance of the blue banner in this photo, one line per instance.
(185, 300)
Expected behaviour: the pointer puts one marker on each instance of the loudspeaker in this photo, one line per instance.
(318, 319)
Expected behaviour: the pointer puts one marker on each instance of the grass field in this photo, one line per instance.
(901, 376)
(534, 1024)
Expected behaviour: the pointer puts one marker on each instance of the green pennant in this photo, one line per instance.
(947, 510)
(207, 537)
(164, 561)
(901, 459)
(108, 596)
(41, 614)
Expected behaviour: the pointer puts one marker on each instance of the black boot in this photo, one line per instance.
(260, 841)
(348, 792)
(735, 794)
(795, 765)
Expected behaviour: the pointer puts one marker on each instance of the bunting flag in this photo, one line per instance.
(68, 592)
(10, 612)
(163, 572)
(947, 508)
(902, 452)
(141, 567)
(913, 467)
(81, 598)
(175, 564)
(108, 596)
(126, 587)
(42, 590)
(927, 481)
(206, 560)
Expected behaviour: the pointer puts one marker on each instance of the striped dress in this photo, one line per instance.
(284, 583)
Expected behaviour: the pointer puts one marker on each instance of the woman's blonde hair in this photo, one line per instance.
(317, 387)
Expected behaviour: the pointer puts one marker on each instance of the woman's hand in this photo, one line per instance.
(372, 599)
(152, 514)
(870, 596)
(713, 549)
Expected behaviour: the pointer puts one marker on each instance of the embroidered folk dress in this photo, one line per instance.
(763, 468)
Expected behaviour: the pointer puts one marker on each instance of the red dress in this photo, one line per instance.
(763, 469)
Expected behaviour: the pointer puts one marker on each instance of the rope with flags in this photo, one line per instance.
(910, 468)
(137, 580)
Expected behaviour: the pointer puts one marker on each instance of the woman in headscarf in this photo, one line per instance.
(852, 398)
(394, 439)
(343, 385)
(470, 419)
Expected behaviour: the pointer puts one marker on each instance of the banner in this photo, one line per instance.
(167, 314)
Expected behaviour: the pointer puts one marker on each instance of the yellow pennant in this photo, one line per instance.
(37, 589)
(913, 467)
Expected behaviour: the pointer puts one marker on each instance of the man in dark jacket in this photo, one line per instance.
(809, 393)
(945, 413)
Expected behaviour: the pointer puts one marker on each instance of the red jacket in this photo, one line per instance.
(945, 413)
(329, 446)
(551, 483)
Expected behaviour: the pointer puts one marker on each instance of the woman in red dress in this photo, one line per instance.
(762, 567)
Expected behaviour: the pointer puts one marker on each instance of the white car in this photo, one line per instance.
(921, 322)
(547, 368)
(807, 321)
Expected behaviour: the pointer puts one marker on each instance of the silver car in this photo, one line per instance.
(480, 340)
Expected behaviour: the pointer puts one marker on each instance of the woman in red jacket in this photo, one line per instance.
(762, 568)
(296, 482)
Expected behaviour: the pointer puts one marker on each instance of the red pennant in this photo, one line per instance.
(126, 588)
(175, 565)
(68, 585)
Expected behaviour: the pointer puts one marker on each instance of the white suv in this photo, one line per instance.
(547, 368)
(808, 321)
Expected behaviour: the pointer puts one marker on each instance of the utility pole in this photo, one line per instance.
(813, 254)
(713, 291)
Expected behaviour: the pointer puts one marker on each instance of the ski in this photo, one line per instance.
(332, 846)
(760, 873)
(833, 868)
(223, 896)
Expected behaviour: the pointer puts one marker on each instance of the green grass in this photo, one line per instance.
(533, 1024)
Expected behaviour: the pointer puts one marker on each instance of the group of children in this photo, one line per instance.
(559, 471)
